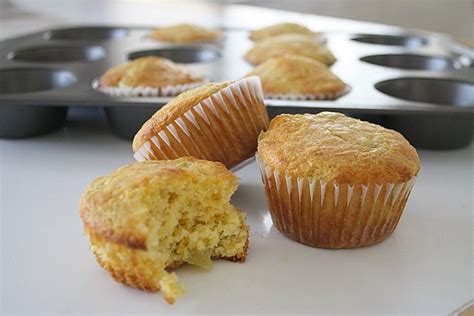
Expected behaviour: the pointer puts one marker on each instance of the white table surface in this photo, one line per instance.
(425, 267)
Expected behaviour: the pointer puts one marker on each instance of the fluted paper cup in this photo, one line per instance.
(314, 96)
(143, 91)
(224, 127)
(331, 215)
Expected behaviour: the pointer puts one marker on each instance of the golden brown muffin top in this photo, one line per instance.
(333, 147)
(174, 109)
(279, 29)
(185, 33)
(118, 206)
(295, 44)
(150, 71)
(296, 75)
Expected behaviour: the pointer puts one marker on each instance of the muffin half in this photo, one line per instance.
(335, 182)
(148, 217)
(294, 44)
(217, 122)
(185, 33)
(298, 78)
(279, 29)
(148, 76)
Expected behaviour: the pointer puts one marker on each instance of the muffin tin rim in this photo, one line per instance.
(11, 54)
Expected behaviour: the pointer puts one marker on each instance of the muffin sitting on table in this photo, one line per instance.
(295, 44)
(148, 76)
(335, 182)
(148, 217)
(219, 121)
(185, 33)
(298, 78)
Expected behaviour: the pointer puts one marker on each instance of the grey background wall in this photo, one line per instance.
(454, 17)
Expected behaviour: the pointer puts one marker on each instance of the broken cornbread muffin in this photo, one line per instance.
(151, 216)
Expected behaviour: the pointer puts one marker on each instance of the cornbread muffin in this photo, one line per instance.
(279, 29)
(151, 216)
(295, 44)
(298, 77)
(185, 33)
(217, 122)
(335, 182)
(147, 74)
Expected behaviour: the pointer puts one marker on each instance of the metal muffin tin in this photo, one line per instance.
(421, 84)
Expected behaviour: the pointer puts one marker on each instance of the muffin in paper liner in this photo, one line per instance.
(293, 77)
(144, 91)
(294, 44)
(148, 76)
(303, 97)
(333, 181)
(223, 127)
(332, 215)
(186, 34)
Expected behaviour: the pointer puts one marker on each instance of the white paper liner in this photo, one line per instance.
(320, 96)
(374, 207)
(194, 134)
(165, 91)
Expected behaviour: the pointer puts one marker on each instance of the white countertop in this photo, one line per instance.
(425, 267)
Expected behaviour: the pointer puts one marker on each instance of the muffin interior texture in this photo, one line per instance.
(152, 216)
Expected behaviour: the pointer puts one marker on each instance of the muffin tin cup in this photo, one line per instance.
(450, 132)
(331, 215)
(26, 120)
(224, 127)
(404, 40)
(86, 52)
(125, 121)
(164, 91)
(320, 96)
(23, 121)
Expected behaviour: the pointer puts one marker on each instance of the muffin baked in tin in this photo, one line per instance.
(298, 78)
(185, 33)
(148, 76)
(294, 44)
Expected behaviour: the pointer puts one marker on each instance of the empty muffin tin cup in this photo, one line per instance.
(410, 41)
(412, 62)
(58, 54)
(20, 121)
(432, 131)
(87, 34)
(125, 121)
(183, 55)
